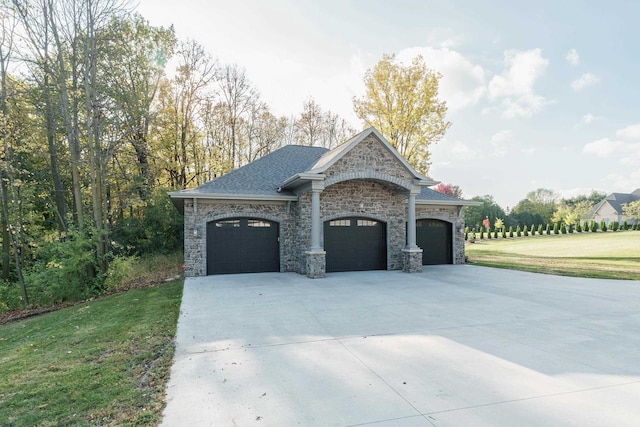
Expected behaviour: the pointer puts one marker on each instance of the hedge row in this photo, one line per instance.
(587, 226)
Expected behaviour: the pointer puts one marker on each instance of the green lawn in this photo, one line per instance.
(103, 362)
(613, 255)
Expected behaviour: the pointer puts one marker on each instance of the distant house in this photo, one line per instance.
(610, 208)
(359, 206)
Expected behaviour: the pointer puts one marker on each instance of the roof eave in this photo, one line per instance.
(302, 178)
(448, 202)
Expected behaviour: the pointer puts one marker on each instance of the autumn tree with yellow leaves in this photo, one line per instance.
(401, 101)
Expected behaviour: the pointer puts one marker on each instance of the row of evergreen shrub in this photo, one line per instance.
(587, 226)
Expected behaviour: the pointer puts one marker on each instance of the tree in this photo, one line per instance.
(632, 210)
(11, 220)
(449, 189)
(537, 208)
(135, 67)
(474, 215)
(315, 127)
(401, 101)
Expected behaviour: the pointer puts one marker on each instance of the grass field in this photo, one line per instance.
(103, 362)
(613, 255)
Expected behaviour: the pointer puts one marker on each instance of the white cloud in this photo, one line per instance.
(630, 132)
(463, 82)
(463, 151)
(617, 182)
(632, 157)
(514, 88)
(500, 142)
(603, 147)
(585, 80)
(589, 118)
(572, 57)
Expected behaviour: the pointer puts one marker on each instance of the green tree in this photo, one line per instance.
(401, 101)
(474, 215)
(632, 210)
(537, 207)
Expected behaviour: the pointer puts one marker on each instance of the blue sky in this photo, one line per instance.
(540, 94)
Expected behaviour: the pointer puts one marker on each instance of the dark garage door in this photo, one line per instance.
(355, 244)
(434, 237)
(242, 245)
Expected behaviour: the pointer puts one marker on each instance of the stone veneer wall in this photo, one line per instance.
(356, 198)
(370, 155)
(195, 246)
(449, 214)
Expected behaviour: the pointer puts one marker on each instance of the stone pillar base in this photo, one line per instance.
(316, 264)
(412, 260)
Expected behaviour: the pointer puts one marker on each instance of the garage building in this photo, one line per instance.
(359, 206)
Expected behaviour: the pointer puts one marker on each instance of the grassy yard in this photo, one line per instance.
(613, 255)
(103, 362)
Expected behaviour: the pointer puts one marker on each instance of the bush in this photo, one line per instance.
(614, 226)
(481, 233)
(594, 226)
(511, 231)
(540, 230)
(603, 226)
(504, 232)
(65, 270)
(548, 229)
(578, 228)
(489, 233)
(533, 230)
(525, 231)
(495, 233)
(518, 231)
(159, 230)
(120, 269)
(10, 296)
(625, 226)
(555, 228)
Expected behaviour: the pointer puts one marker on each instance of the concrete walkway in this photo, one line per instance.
(452, 346)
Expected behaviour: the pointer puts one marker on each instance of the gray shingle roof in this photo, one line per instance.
(265, 175)
(433, 195)
(616, 200)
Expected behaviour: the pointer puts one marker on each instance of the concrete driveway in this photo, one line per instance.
(452, 346)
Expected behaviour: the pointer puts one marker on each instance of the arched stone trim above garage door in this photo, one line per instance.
(371, 175)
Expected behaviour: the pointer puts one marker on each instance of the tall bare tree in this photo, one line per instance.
(7, 180)
(238, 96)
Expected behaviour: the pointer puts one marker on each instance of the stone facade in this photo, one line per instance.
(455, 216)
(315, 264)
(412, 260)
(195, 229)
(368, 181)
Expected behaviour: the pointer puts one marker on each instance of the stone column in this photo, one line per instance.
(315, 220)
(412, 254)
(315, 256)
(411, 221)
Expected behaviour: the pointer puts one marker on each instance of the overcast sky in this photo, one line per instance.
(540, 93)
